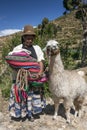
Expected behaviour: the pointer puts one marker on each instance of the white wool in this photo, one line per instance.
(81, 73)
(63, 84)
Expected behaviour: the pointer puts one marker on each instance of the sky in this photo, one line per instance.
(15, 14)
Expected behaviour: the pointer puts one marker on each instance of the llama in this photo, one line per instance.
(64, 84)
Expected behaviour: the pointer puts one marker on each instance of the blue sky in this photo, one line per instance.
(14, 14)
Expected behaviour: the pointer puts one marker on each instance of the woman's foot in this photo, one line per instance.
(31, 119)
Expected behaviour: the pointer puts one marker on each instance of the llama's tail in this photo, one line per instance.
(82, 73)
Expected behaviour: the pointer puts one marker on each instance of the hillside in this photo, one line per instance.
(69, 32)
(69, 28)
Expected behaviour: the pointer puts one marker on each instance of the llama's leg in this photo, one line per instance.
(68, 114)
(81, 107)
(76, 113)
(56, 104)
(68, 105)
(78, 106)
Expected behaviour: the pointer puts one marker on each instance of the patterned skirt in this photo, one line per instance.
(22, 103)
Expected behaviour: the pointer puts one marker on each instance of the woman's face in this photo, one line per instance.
(28, 40)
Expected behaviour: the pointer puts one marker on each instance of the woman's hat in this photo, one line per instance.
(28, 30)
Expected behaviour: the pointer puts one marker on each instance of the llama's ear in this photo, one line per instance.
(57, 43)
(44, 49)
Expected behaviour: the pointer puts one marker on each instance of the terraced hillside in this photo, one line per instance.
(70, 28)
(69, 32)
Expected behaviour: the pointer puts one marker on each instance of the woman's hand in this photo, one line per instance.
(39, 75)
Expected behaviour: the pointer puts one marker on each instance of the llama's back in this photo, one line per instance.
(77, 83)
(68, 84)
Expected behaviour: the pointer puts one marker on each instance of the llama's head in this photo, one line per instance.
(51, 48)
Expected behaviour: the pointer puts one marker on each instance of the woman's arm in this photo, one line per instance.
(41, 69)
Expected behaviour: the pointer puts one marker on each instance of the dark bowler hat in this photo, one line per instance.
(28, 30)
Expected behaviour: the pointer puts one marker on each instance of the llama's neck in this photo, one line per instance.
(56, 64)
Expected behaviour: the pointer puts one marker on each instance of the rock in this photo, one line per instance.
(3, 128)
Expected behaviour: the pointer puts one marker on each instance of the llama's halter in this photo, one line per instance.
(51, 51)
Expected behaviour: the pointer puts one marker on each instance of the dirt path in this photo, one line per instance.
(44, 122)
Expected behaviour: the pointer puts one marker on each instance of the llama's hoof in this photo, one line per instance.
(76, 114)
(54, 118)
(68, 121)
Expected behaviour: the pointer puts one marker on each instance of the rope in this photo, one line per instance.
(22, 78)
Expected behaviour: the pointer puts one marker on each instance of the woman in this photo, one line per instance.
(34, 99)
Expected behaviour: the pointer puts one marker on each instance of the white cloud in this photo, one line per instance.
(8, 32)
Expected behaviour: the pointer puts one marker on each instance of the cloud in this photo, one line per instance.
(8, 32)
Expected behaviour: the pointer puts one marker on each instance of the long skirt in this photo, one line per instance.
(22, 103)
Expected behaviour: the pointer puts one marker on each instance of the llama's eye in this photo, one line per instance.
(48, 47)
